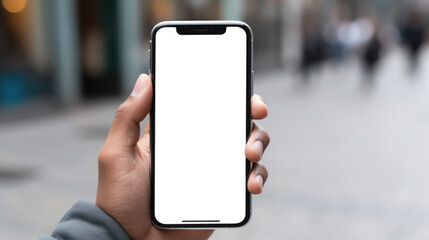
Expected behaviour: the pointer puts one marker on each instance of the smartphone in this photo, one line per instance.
(200, 122)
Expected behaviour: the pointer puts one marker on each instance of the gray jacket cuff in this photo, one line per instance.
(86, 221)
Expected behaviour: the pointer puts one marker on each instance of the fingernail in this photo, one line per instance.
(140, 85)
(258, 147)
(260, 180)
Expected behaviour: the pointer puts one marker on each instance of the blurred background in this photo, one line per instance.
(346, 81)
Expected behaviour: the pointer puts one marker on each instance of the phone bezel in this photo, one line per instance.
(249, 93)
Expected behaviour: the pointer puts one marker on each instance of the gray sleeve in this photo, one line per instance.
(86, 221)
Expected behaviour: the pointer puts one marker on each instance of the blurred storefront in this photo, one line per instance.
(26, 70)
(59, 53)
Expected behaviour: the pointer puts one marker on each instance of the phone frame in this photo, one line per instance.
(187, 27)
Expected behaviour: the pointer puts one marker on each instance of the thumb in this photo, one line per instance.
(125, 129)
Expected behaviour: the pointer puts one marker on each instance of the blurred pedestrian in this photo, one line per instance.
(313, 47)
(339, 16)
(371, 51)
(413, 36)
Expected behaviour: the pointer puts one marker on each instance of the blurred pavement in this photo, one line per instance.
(347, 160)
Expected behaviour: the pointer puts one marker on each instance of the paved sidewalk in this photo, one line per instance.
(347, 160)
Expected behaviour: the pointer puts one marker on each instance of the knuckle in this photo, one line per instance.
(263, 134)
(266, 135)
(266, 173)
(107, 155)
(263, 171)
(121, 111)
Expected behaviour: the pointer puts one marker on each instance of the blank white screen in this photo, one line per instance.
(200, 126)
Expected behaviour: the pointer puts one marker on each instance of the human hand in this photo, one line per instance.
(124, 166)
